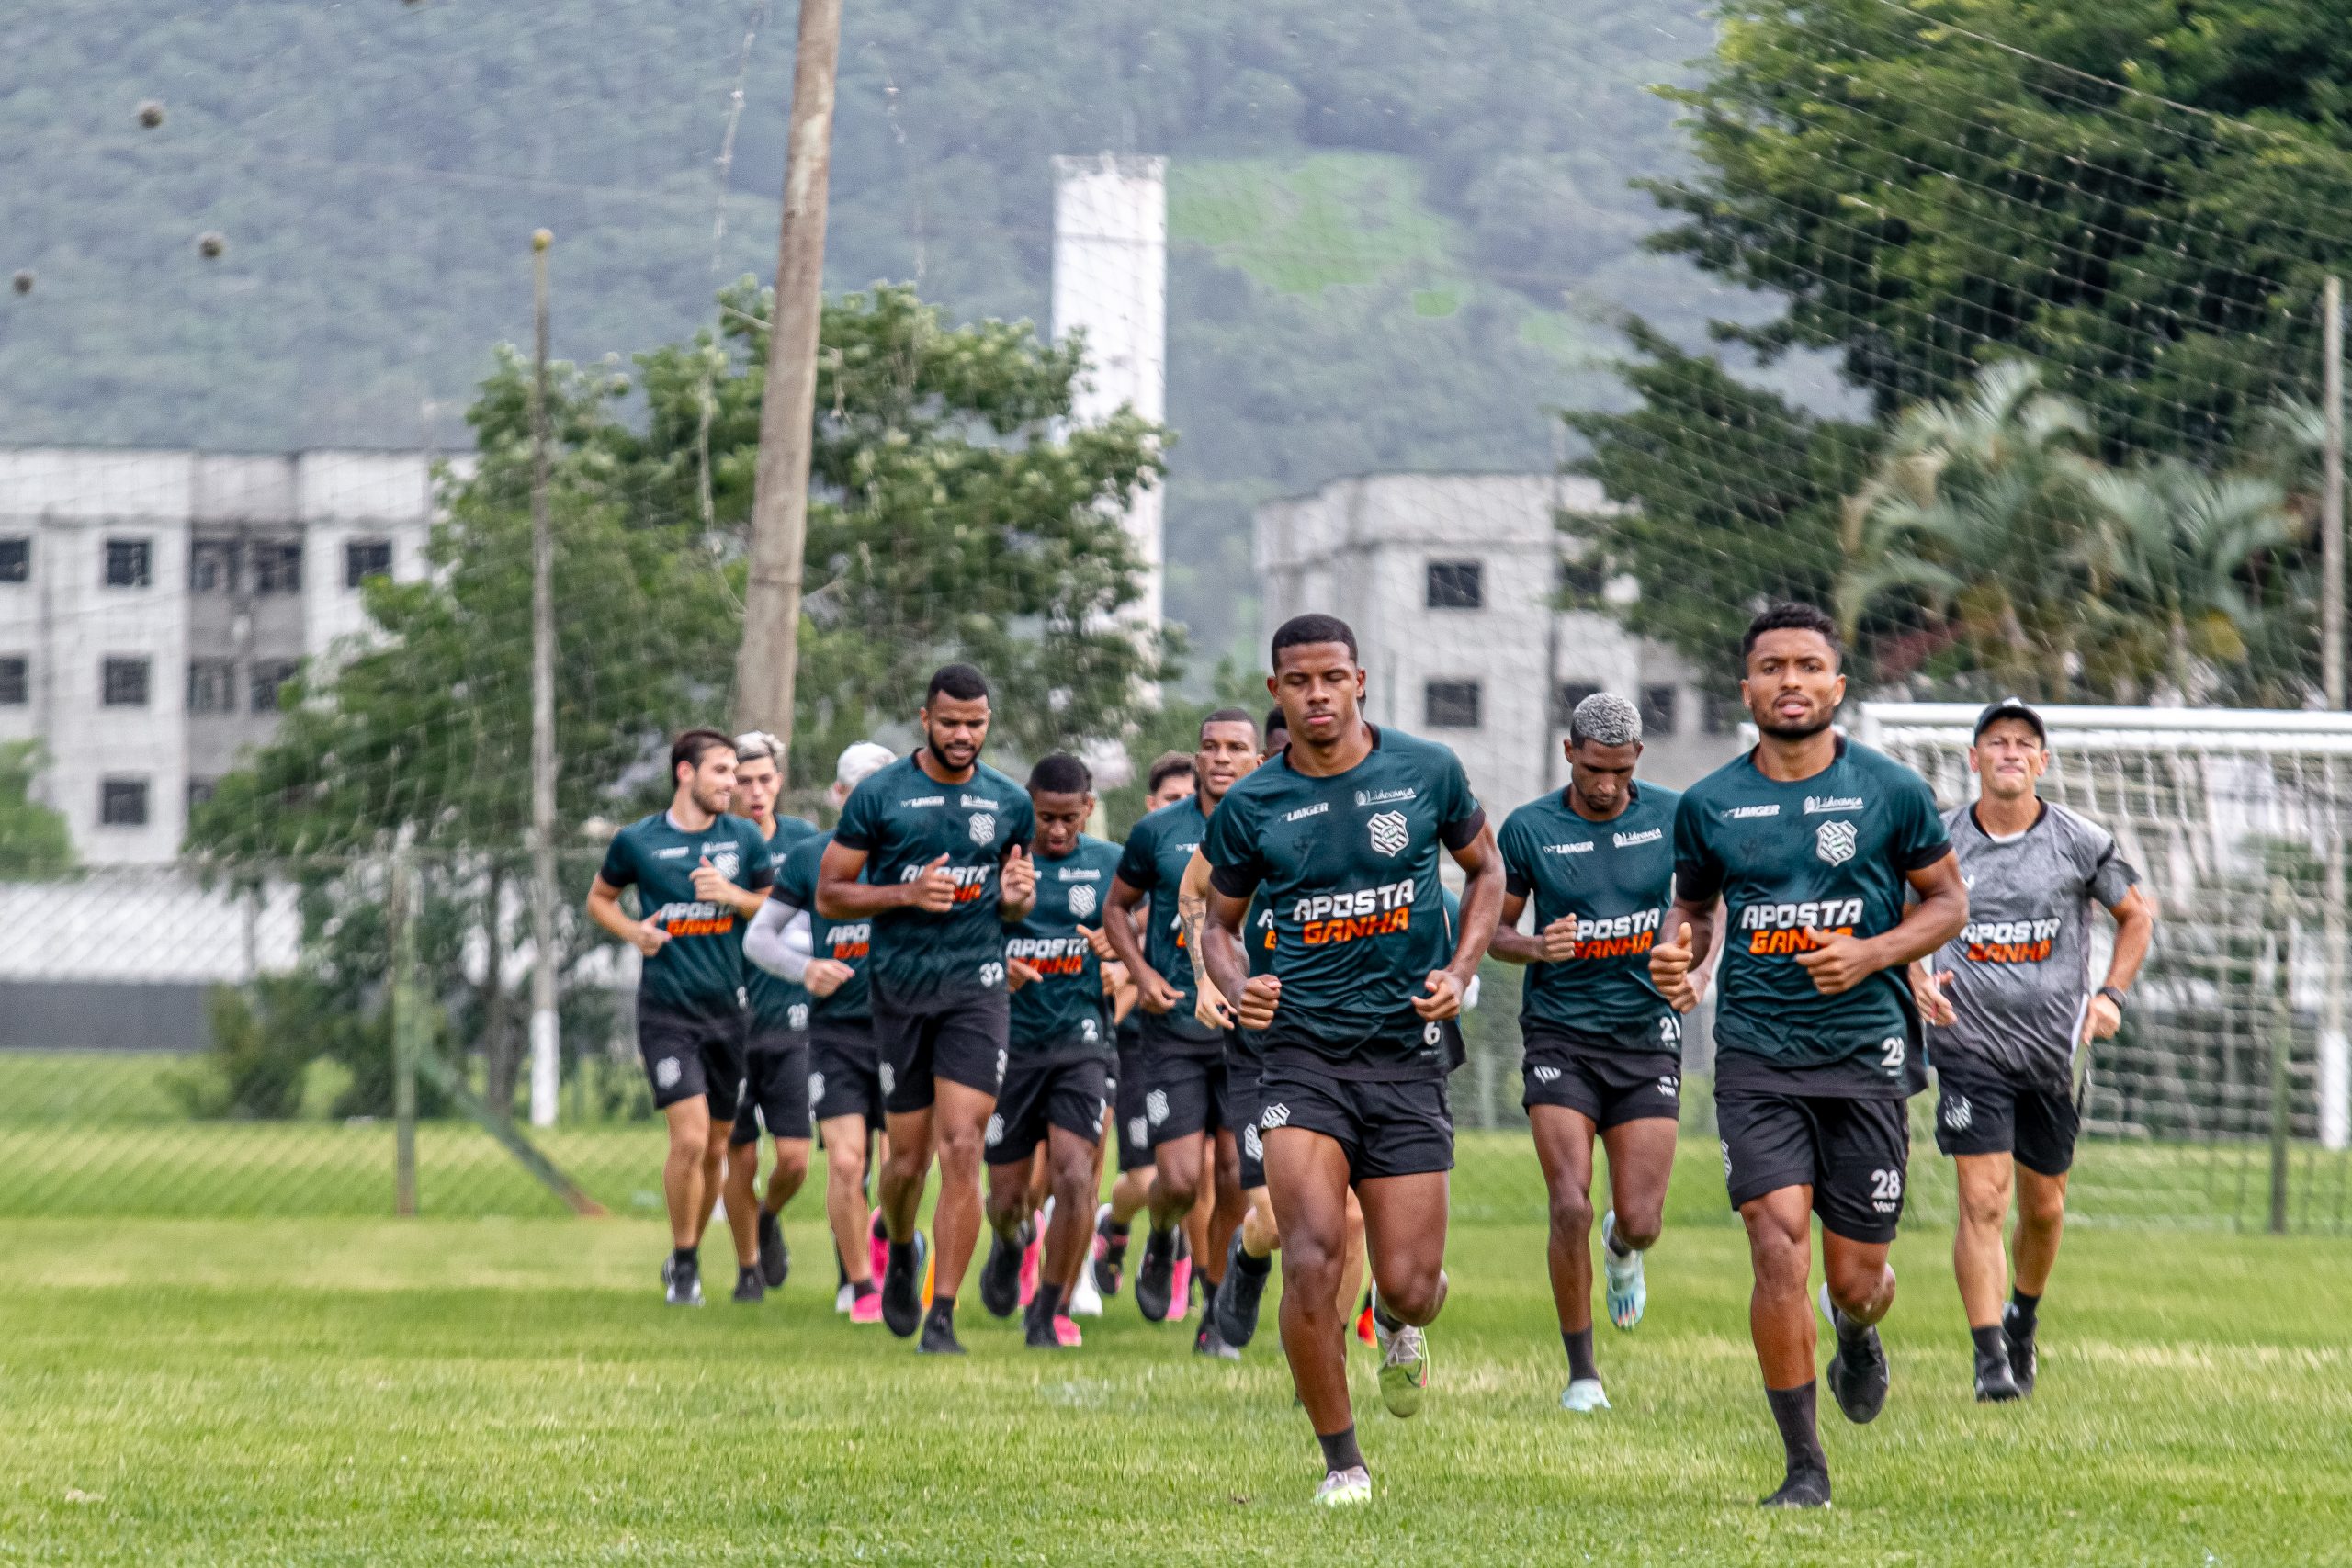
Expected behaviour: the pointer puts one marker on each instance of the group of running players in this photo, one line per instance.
(1256, 999)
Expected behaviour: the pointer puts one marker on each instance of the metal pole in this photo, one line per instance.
(405, 1003)
(768, 663)
(2331, 500)
(545, 1047)
(2282, 947)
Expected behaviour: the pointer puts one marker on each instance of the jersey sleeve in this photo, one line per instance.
(620, 862)
(758, 870)
(1698, 874)
(1138, 867)
(861, 821)
(1518, 868)
(1919, 838)
(1230, 848)
(1459, 815)
(796, 878)
(2107, 876)
(1021, 824)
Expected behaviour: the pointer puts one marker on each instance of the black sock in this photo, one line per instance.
(1616, 1243)
(864, 1288)
(1256, 1268)
(1580, 1348)
(879, 1230)
(1990, 1346)
(1381, 1315)
(2021, 1310)
(688, 1257)
(902, 1255)
(1339, 1450)
(1048, 1299)
(1115, 1231)
(1792, 1412)
(943, 1308)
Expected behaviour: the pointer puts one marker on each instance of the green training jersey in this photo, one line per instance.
(1350, 868)
(1615, 880)
(1832, 854)
(843, 941)
(700, 971)
(903, 819)
(775, 1002)
(1153, 863)
(1064, 1014)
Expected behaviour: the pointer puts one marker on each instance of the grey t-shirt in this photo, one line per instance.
(2021, 965)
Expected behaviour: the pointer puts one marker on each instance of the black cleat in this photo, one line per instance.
(1037, 1331)
(939, 1337)
(902, 1289)
(682, 1283)
(1110, 1254)
(1236, 1299)
(1803, 1489)
(2024, 1360)
(1001, 1275)
(1206, 1342)
(750, 1289)
(1995, 1384)
(1155, 1276)
(776, 1258)
(1858, 1375)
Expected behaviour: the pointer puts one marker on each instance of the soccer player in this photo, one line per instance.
(776, 1057)
(932, 849)
(1812, 842)
(1169, 781)
(1342, 831)
(2009, 1007)
(1056, 1079)
(696, 871)
(1192, 1130)
(826, 957)
(1603, 1051)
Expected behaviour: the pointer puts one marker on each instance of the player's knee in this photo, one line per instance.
(1856, 1283)
(791, 1161)
(960, 1147)
(1571, 1212)
(1983, 1204)
(1310, 1270)
(845, 1164)
(1414, 1294)
(690, 1146)
(1639, 1232)
(2042, 1205)
(1073, 1173)
(1780, 1261)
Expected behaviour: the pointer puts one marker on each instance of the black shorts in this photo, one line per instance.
(1610, 1084)
(1038, 1095)
(1852, 1153)
(1186, 1096)
(775, 1088)
(962, 1042)
(685, 1056)
(1130, 1117)
(1244, 1097)
(844, 1074)
(1385, 1129)
(1981, 1110)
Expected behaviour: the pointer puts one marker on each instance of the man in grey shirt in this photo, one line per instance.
(2008, 1003)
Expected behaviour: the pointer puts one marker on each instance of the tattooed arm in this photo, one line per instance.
(1192, 915)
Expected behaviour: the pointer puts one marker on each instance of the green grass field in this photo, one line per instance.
(512, 1390)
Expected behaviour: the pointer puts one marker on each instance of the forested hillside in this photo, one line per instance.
(1401, 231)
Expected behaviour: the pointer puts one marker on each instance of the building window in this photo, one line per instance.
(212, 566)
(1564, 700)
(123, 684)
(1457, 585)
(211, 686)
(14, 681)
(1450, 705)
(277, 567)
(269, 674)
(199, 791)
(122, 803)
(1719, 715)
(1658, 710)
(364, 559)
(15, 560)
(129, 563)
(1582, 581)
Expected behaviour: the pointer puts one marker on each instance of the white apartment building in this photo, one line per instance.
(152, 603)
(1449, 581)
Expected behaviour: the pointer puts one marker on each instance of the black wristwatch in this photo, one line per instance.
(2117, 996)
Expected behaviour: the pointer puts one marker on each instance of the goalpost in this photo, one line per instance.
(2225, 1100)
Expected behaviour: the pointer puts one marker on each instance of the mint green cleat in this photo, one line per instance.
(1629, 1292)
(1344, 1488)
(1404, 1370)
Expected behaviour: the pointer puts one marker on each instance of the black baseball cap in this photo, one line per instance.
(2010, 707)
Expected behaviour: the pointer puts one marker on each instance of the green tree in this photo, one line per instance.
(34, 840)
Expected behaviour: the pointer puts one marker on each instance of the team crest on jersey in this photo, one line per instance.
(983, 828)
(1390, 832)
(1082, 902)
(1833, 842)
(727, 861)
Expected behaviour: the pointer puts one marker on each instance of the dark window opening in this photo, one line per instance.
(1658, 710)
(1564, 700)
(122, 803)
(16, 561)
(211, 686)
(212, 566)
(364, 559)
(123, 684)
(129, 563)
(1456, 585)
(269, 674)
(16, 681)
(1450, 705)
(277, 567)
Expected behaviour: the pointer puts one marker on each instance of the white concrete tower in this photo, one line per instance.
(1110, 282)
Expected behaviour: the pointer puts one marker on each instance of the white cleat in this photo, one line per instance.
(1085, 1301)
(844, 1299)
(1344, 1488)
(1584, 1396)
(1629, 1292)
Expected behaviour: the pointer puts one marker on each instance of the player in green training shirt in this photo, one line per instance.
(1056, 1078)
(933, 851)
(1812, 844)
(1342, 831)
(827, 957)
(698, 873)
(1603, 1051)
(1192, 1124)
(775, 1057)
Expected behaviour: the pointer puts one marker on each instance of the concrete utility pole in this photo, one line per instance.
(768, 663)
(2331, 528)
(545, 1045)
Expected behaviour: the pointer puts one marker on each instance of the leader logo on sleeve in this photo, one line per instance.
(1390, 832)
(1833, 842)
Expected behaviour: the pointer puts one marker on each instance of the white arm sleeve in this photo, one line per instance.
(779, 940)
